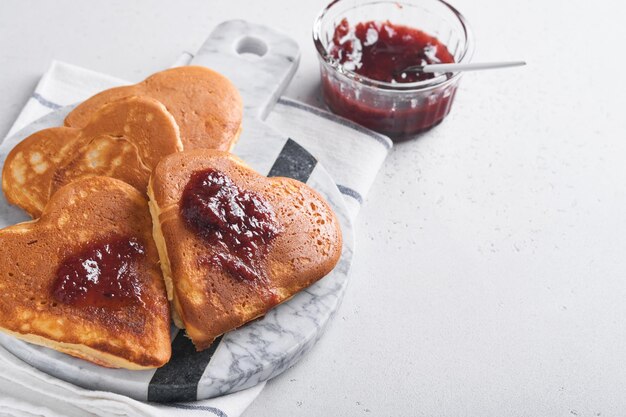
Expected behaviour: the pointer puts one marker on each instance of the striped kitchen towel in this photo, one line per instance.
(351, 154)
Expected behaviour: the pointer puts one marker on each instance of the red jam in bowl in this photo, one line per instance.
(381, 51)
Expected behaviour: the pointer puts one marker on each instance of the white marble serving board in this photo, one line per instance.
(264, 348)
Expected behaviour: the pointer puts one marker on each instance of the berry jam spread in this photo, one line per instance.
(101, 274)
(239, 224)
(382, 50)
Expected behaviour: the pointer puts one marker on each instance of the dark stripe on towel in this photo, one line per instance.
(178, 379)
(350, 192)
(294, 162)
(216, 411)
(45, 102)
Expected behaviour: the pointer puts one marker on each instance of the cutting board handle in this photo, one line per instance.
(259, 60)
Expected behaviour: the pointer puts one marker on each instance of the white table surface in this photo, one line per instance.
(490, 274)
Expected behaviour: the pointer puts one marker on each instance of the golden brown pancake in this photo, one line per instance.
(205, 104)
(129, 328)
(208, 298)
(123, 139)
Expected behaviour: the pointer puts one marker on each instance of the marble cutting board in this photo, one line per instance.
(260, 62)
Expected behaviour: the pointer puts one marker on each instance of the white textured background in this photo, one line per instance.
(490, 276)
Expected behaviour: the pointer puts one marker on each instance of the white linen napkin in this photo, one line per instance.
(350, 153)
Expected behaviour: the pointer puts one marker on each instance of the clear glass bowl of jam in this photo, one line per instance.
(364, 47)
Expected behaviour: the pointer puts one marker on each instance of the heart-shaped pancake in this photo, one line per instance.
(85, 279)
(124, 139)
(234, 243)
(205, 104)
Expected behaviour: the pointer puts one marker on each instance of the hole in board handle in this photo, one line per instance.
(251, 46)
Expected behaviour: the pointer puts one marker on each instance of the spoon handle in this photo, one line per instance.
(465, 67)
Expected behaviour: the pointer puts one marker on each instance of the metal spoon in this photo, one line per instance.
(462, 67)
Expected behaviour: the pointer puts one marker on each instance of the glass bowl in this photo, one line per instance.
(395, 109)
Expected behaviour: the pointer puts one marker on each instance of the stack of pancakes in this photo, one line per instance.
(87, 186)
